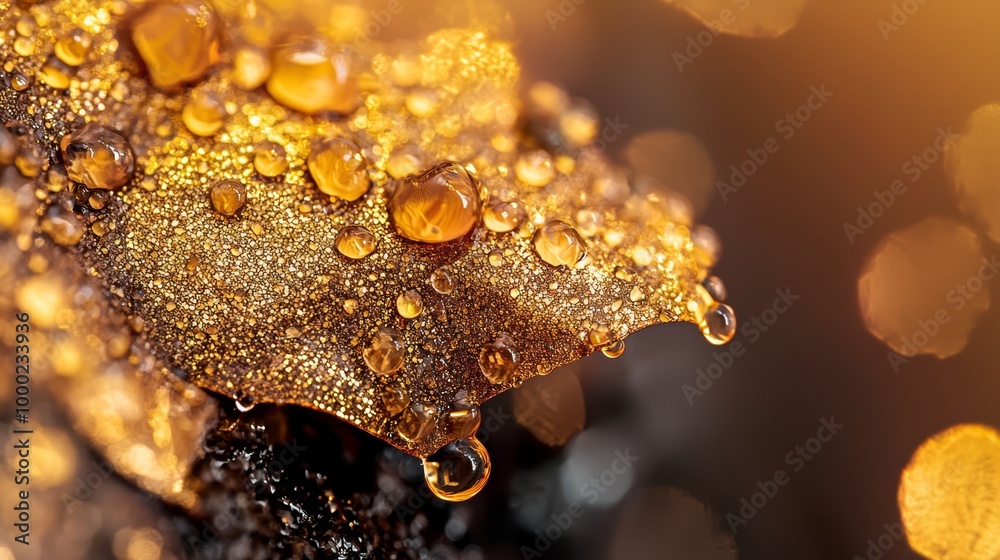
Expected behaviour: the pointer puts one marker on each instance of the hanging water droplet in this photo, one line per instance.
(410, 304)
(458, 471)
(559, 244)
(614, 349)
(244, 401)
(385, 353)
(355, 242)
(715, 288)
(707, 246)
(719, 324)
(438, 206)
(498, 360)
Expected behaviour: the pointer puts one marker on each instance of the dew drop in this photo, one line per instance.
(458, 471)
(614, 349)
(559, 244)
(405, 160)
(502, 216)
(338, 167)
(438, 206)
(534, 168)
(715, 288)
(204, 114)
(97, 157)
(72, 48)
(178, 41)
(244, 401)
(442, 281)
(499, 359)
(312, 76)
(228, 197)
(251, 67)
(355, 242)
(417, 422)
(270, 159)
(410, 304)
(62, 225)
(19, 82)
(395, 398)
(385, 353)
(719, 324)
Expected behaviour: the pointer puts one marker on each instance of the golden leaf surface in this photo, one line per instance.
(262, 306)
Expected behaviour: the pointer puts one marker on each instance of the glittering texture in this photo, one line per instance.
(264, 305)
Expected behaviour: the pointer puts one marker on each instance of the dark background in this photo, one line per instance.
(784, 229)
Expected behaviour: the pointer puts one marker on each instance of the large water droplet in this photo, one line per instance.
(385, 353)
(338, 167)
(440, 205)
(498, 360)
(410, 304)
(355, 242)
(97, 157)
(204, 114)
(270, 159)
(502, 216)
(178, 41)
(312, 76)
(535, 169)
(228, 197)
(73, 47)
(559, 244)
(417, 422)
(458, 471)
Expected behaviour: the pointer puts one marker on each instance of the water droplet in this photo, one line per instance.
(19, 82)
(338, 167)
(178, 41)
(270, 159)
(244, 401)
(54, 73)
(63, 225)
(417, 422)
(719, 324)
(440, 205)
(534, 168)
(707, 246)
(499, 360)
(409, 304)
(502, 216)
(24, 46)
(395, 398)
(312, 76)
(204, 114)
(559, 244)
(715, 288)
(614, 349)
(458, 471)
(422, 102)
(496, 258)
(97, 157)
(385, 352)
(72, 48)
(355, 242)
(442, 281)
(589, 222)
(463, 418)
(405, 160)
(578, 125)
(228, 197)
(251, 67)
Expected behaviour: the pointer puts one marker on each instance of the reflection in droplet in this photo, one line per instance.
(228, 197)
(270, 159)
(178, 41)
(677, 161)
(385, 353)
(417, 422)
(312, 76)
(756, 18)
(975, 168)
(410, 304)
(949, 495)
(339, 169)
(559, 244)
(664, 522)
(458, 471)
(502, 216)
(438, 206)
(498, 360)
(551, 407)
(719, 324)
(355, 242)
(923, 289)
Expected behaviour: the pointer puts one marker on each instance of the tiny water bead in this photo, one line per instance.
(719, 324)
(499, 359)
(613, 349)
(395, 398)
(385, 353)
(410, 304)
(178, 41)
(338, 167)
(438, 206)
(458, 471)
(204, 114)
(559, 244)
(442, 281)
(270, 159)
(502, 216)
(72, 48)
(97, 157)
(228, 197)
(404, 161)
(417, 422)
(311, 76)
(535, 169)
(355, 242)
